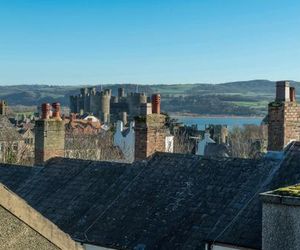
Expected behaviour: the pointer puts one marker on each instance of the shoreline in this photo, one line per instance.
(191, 115)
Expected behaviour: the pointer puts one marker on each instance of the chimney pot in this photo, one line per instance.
(46, 111)
(156, 104)
(56, 111)
(292, 94)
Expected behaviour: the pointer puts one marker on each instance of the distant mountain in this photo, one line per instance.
(241, 97)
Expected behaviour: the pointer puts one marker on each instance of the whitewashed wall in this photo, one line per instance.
(125, 143)
(202, 144)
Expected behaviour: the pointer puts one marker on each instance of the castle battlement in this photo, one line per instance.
(105, 106)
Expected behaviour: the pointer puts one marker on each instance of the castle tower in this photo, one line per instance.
(105, 105)
(121, 92)
(3, 108)
(283, 118)
(150, 132)
(49, 134)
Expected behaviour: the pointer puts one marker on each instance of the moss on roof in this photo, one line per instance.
(289, 191)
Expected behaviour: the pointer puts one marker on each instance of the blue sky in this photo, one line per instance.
(148, 41)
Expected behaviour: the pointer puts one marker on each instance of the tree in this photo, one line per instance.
(248, 141)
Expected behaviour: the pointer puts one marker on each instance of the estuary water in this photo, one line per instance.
(230, 121)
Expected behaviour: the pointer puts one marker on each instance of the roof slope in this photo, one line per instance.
(24, 228)
(171, 201)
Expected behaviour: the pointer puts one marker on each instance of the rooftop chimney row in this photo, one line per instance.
(46, 110)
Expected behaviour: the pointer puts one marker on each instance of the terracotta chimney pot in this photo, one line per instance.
(46, 111)
(292, 94)
(156, 104)
(56, 110)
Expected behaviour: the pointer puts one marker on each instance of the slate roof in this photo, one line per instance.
(216, 150)
(171, 201)
(22, 227)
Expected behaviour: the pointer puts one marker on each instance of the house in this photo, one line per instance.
(217, 150)
(170, 201)
(280, 218)
(203, 143)
(22, 227)
(11, 142)
(85, 125)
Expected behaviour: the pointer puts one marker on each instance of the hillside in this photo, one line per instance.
(232, 98)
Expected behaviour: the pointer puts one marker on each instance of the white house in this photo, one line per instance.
(169, 143)
(202, 144)
(125, 140)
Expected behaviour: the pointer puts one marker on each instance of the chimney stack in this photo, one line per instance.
(292, 94)
(156, 104)
(150, 130)
(283, 118)
(49, 134)
(282, 91)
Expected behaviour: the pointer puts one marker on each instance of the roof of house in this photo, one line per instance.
(22, 227)
(216, 150)
(83, 127)
(170, 201)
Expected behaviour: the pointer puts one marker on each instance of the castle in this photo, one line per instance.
(106, 106)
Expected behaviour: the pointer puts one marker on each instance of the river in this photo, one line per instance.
(230, 121)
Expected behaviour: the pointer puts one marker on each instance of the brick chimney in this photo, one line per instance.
(283, 118)
(156, 104)
(49, 134)
(150, 130)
